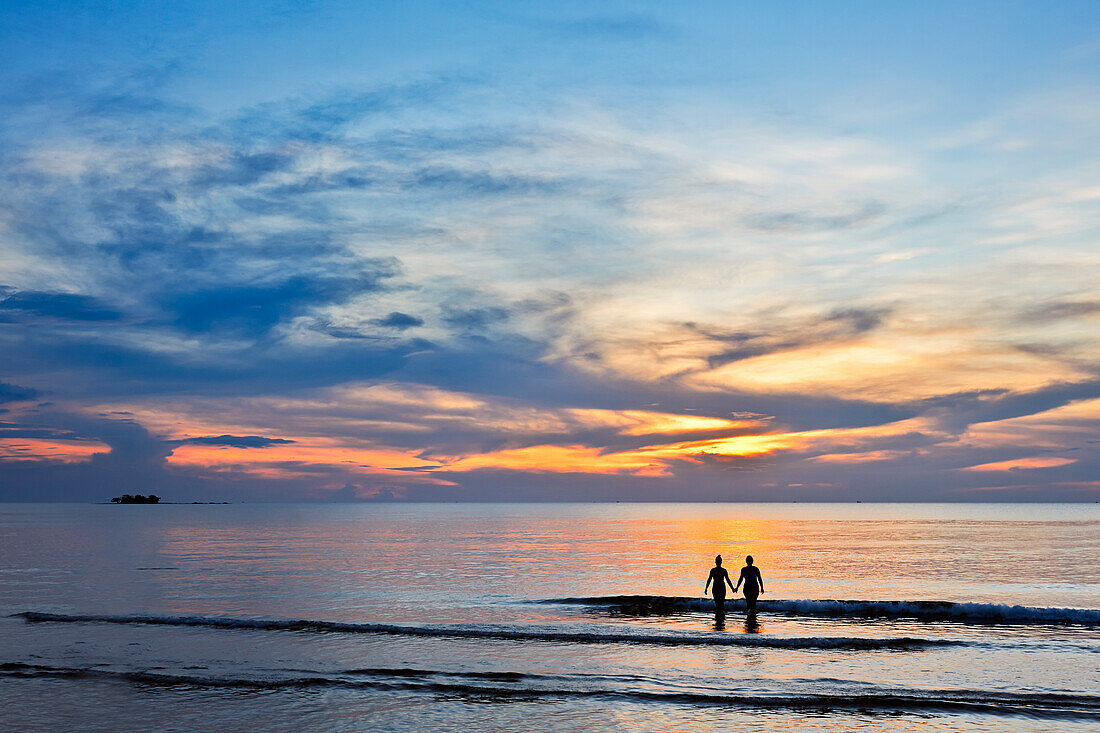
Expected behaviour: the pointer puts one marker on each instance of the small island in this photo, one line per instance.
(136, 499)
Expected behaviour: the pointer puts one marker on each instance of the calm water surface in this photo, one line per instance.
(552, 617)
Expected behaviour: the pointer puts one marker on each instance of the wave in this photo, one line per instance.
(850, 643)
(477, 687)
(972, 613)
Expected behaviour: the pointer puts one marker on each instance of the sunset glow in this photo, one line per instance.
(696, 253)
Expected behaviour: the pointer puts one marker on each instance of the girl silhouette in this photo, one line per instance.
(720, 578)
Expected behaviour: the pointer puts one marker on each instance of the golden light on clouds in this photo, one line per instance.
(1068, 426)
(563, 459)
(638, 422)
(891, 368)
(311, 450)
(1017, 464)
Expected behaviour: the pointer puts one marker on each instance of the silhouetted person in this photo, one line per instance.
(720, 578)
(754, 584)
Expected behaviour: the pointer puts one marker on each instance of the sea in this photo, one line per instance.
(548, 617)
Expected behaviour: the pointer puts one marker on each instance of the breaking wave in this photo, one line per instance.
(971, 613)
(510, 633)
(514, 686)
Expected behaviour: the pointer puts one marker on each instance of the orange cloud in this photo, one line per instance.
(38, 449)
(868, 457)
(1017, 464)
(326, 427)
(890, 367)
(653, 460)
(277, 460)
(640, 422)
(1067, 426)
(563, 459)
(754, 445)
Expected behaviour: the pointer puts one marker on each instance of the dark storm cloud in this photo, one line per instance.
(237, 441)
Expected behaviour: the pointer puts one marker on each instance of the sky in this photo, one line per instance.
(435, 251)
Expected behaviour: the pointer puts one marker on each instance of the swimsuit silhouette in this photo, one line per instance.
(754, 584)
(720, 578)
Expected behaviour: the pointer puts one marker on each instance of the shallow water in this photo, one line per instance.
(557, 617)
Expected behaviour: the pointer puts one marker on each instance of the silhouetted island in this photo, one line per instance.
(136, 499)
(153, 499)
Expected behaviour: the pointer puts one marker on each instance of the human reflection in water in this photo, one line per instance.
(720, 578)
(751, 625)
(754, 584)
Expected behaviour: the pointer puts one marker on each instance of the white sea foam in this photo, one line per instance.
(510, 633)
(976, 613)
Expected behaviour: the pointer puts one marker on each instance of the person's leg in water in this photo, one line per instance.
(750, 599)
(719, 600)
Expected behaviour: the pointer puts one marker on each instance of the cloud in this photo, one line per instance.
(481, 183)
(213, 275)
(474, 318)
(15, 393)
(242, 169)
(349, 492)
(1022, 464)
(398, 320)
(68, 306)
(237, 441)
(807, 221)
(787, 334)
(1059, 310)
(255, 309)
